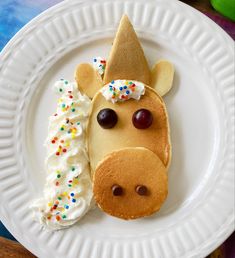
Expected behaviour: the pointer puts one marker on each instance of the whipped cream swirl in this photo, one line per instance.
(68, 189)
(99, 64)
(121, 90)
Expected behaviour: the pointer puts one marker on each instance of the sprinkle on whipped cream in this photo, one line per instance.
(99, 64)
(68, 189)
(121, 90)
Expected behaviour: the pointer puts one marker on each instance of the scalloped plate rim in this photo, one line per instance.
(7, 49)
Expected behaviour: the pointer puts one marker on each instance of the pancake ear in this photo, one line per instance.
(162, 76)
(88, 79)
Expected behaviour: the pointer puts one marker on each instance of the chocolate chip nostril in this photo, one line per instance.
(117, 190)
(141, 189)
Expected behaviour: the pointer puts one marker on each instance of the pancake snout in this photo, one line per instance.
(130, 183)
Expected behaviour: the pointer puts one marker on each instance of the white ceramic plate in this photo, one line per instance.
(198, 214)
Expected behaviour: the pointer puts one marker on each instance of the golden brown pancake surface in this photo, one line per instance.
(130, 169)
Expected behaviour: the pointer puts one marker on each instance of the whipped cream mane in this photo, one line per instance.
(122, 90)
(68, 189)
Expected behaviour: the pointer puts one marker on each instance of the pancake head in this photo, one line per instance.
(156, 138)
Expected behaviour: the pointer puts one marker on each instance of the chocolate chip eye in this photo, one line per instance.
(117, 190)
(107, 118)
(141, 189)
(142, 118)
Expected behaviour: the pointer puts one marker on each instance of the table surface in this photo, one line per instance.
(14, 14)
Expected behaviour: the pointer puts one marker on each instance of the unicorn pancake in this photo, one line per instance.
(128, 135)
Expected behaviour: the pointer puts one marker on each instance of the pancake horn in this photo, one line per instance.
(127, 59)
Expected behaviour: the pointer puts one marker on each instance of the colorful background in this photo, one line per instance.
(14, 14)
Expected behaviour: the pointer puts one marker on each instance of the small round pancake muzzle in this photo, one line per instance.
(130, 183)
